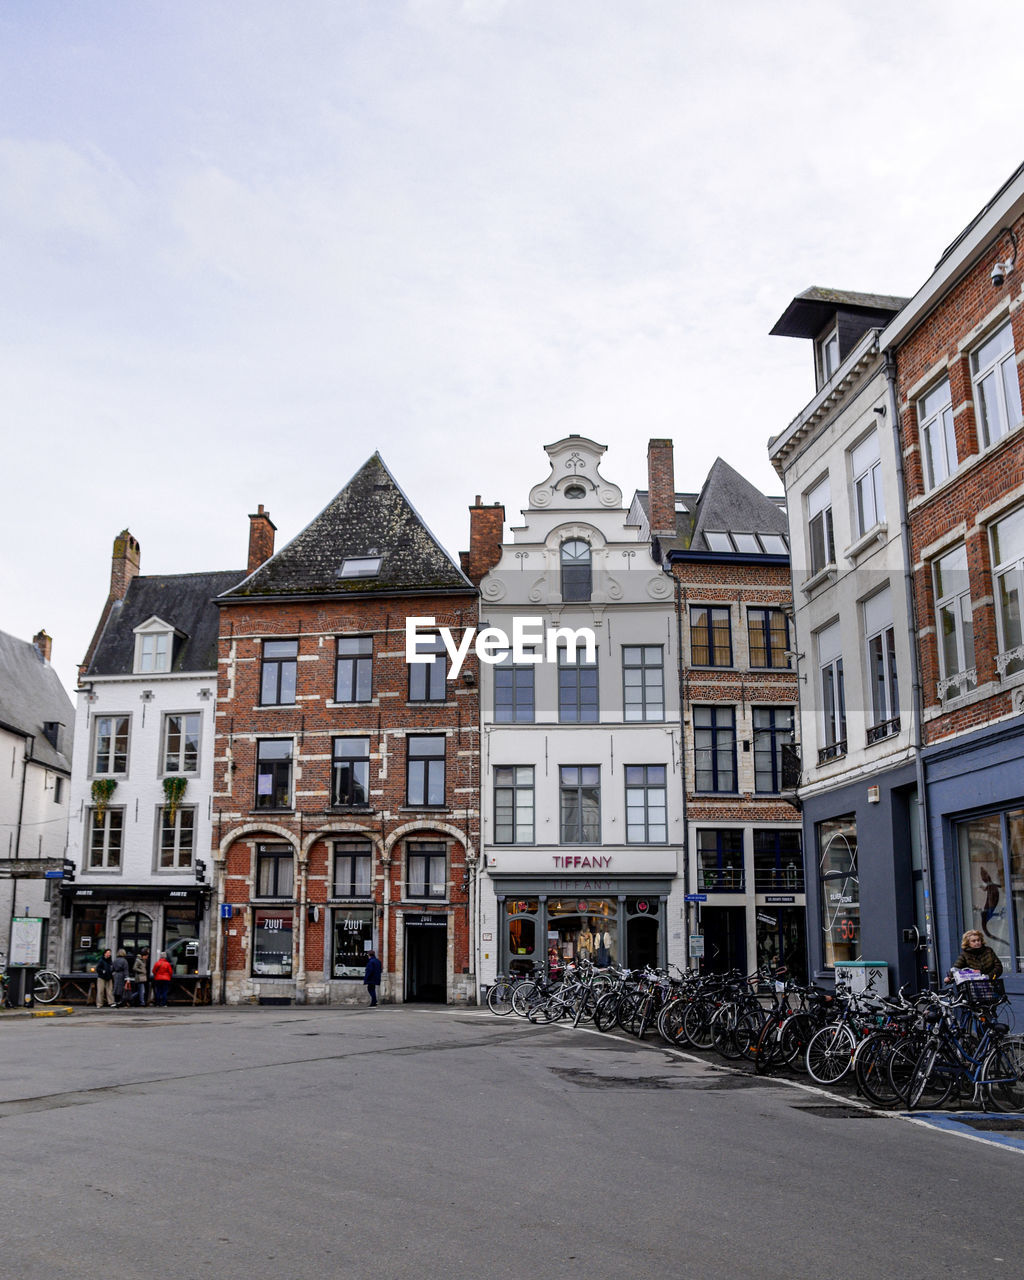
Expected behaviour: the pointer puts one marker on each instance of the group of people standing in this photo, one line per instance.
(118, 984)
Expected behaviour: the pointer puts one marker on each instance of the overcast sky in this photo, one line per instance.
(244, 244)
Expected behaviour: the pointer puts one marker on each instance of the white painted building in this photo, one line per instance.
(580, 767)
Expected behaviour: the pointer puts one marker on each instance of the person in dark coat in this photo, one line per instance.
(104, 980)
(975, 953)
(140, 976)
(121, 974)
(371, 978)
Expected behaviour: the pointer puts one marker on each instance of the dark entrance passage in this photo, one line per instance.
(642, 942)
(725, 939)
(426, 956)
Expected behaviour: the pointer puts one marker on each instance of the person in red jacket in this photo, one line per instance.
(162, 974)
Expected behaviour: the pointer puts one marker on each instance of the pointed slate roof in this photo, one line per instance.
(370, 517)
(31, 694)
(730, 503)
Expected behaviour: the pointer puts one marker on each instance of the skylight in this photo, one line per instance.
(360, 567)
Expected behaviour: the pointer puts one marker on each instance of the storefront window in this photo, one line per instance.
(840, 889)
(353, 938)
(522, 932)
(89, 937)
(582, 926)
(991, 857)
(134, 932)
(272, 942)
(181, 938)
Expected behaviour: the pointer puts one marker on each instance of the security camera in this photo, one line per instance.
(999, 273)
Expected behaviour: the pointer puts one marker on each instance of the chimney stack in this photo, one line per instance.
(44, 644)
(261, 538)
(661, 489)
(124, 564)
(486, 525)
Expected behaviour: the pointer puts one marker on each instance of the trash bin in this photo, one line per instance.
(865, 977)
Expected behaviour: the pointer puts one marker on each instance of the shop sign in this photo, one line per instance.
(565, 861)
(763, 919)
(586, 886)
(438, 922)
(643, 905)
(779, 897)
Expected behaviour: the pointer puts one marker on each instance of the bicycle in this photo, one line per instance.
(45, 988)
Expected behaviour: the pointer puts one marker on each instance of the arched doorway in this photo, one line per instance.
(134, 931)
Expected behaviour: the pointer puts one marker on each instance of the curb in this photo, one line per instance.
(62, 1011)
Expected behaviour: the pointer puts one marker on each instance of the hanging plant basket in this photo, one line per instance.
(102, 790)
(174, 793)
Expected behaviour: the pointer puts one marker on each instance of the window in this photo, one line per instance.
(350, 772)
(425, 773)
(840, 889)
(880, 637)
(768, 637)
(577, 582)
(277, 672)
(866, 466)
(773, 730)
(427, 679)
(828, 356)
(720, 860)
(996, 387)
(360, 567)
(177, 838)
(1008, 559)
(833, 694)
(954, 624)
(577, 687)
(272, 931)
(111, 745)
(819, 526)
(992, 858)
(181, 743)
(774, 544)
(513, 804)
(274, 773)
(275, 871)
(427, 871)
(58, 790)
(643, 682)
(778, 862)
(513, 692)
(710, 636)
(353, 938)
(106, 839)
(153, 652)
(646, 804)
(352, 860)
(580, 804)
(353, 677)
(938, 437)
(714, 743)
(747, 543)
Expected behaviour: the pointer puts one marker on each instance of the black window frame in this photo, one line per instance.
(579, 691)
(342, 761)
(777, 735)
(720, 844)
(576, 572)
(357, 663)
(272, 857)
(427, 781)
(274, 669)
(573, 830)
(706, 635)
(431, 852)
(428, 680)
(759, 626)
(770, 875)
(722, 741)
(351, 853)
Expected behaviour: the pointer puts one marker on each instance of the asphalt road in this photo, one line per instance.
(289, 1143)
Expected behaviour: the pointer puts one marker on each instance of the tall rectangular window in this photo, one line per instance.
(880, 637)
(277, 672)
(181, 743)
(110, 743)
(839, 887)
(643, 682)
(177, 838)
(352, 861)
(353, 677)
(714, 742)
(955, 624)
(513, 692)
(768, 637)
(106, 839)
(819, 527)
(996, 387)
(866, 467)
(153, 652)
(428, 867)
(577, 687)
(272, 934)
(575, 563)
(513, 804)
(580, 803)
(938, 437)
(646, 804)
(991, 852)
(710, 636)
(350, 772)
(773, 730)
(1008, 574)
(275, 871)
(720, 860)
(274, 773)
(778, 861)
(833, 693)
(427, 679)
(425, 769)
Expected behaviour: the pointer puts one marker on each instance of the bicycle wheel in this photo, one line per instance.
(46, 986)
(768, 1051)
(795, 1036)
(723, 1031)
(670, 1022)
(697, 1025)
(606, 1011)
(1002, 1075)
(829, 1053)
(746, 1033)
(499, 999)
(521, 997)
(916, 1072)
(871, 1070)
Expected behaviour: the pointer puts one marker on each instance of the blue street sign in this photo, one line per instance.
(226, 910)
(53, 875)
(695, 897)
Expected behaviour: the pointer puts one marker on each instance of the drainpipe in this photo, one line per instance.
(386, 860)
(220, 942)
(917, 707)
(682, 756)
(300, 976)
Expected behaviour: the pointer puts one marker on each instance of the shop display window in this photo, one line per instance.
(353, 938)
(272, 942)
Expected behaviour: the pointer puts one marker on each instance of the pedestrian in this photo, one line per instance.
(105, 980)
(371, 977)
(121, 976)
(975, 953)
(162, 974)
(140, 976)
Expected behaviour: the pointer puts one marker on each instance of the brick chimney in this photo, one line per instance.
(43, 644)
(486, 525)
(124, 564)
(261, 538)
(661, 489)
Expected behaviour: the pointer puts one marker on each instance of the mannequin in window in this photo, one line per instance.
(602, 947)
(585, 942)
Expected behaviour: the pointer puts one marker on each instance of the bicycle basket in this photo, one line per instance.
(983, 991)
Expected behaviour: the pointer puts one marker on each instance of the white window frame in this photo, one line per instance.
(176, 865)
(880, 635)
(833, 692)
(937, 435)
(179, 767)
(1001, 367)
(1008, 589)
(104, 864)
(956, 605)
(96, 772)
(819, 508)
(154, 647)
(868, 499)
(827, 369)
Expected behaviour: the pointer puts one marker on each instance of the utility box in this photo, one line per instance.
(865, 977)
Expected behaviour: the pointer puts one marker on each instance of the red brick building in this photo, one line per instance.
(346, 779)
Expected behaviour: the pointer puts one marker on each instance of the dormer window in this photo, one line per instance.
(360, 567)
(828, 356)
(154, 647)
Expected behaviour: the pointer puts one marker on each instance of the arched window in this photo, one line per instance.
(576, 571)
